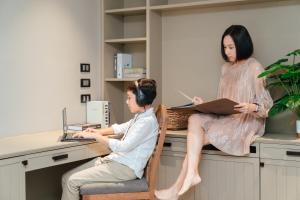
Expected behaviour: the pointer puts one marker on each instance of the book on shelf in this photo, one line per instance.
(221, 106)
(82, 127)
(134, 72)
(121, 60)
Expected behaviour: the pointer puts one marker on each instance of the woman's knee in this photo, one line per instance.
(195, 121)
(194, 118)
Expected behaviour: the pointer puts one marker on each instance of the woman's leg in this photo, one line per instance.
(172, 192)
(195, 138)
(195, 141)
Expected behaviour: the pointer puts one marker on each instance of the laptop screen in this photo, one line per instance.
(64, 118)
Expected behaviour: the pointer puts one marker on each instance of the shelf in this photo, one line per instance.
(205, 3)
(126, 40)
(127, 11)
(119, 79)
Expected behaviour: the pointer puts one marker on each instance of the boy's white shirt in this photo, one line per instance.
(138, 142)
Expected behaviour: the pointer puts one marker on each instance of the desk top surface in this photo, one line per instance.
(33, 143)
(46, 141)
(268, 138)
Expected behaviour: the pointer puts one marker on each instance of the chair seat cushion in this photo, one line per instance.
(136, 185)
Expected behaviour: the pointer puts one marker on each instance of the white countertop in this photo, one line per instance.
(33, 143)
(270, 138)
(39, 142)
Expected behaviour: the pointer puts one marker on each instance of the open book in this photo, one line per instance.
(220, 107)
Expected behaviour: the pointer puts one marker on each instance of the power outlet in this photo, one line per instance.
(85, 67)
(85, 98)
(85, 82)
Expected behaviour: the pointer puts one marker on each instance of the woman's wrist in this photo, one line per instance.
(257, 107)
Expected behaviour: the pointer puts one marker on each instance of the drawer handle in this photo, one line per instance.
(293, 153)
(25, 162)
(167, 144)
(60, 157)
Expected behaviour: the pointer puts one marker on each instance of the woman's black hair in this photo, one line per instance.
(145, 91)
(242, 40)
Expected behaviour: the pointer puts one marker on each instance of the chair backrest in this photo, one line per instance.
(153, 163)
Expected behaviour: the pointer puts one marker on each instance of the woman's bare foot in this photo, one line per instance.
(167, 194)
(189, 182)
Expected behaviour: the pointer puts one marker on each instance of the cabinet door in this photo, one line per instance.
(280, 180)
(170, 166)
(228, 178)
(12, 181)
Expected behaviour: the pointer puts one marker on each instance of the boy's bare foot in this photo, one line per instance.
(189, 182)
(167, 194)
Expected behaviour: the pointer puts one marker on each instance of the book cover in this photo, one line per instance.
(219, 106)
(123, 60)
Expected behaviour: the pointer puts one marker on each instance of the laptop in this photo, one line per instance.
(67, 135)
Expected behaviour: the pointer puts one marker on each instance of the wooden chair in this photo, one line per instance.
(133, 189)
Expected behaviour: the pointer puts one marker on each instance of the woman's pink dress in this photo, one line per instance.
(233, 134)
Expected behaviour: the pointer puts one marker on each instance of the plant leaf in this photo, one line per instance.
(290, 74)
(277, 62)
(296, 52)
(273, 69)
(293, 102)
(276, 108)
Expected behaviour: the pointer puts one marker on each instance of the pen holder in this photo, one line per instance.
(178, 118)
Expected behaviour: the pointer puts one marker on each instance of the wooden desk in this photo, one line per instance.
(29, 152)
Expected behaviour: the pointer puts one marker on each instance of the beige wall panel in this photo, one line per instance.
(280, 180)
(115, 96)
(134, 3)
(135, 26)
(12, 181)
(42, 46)
(228, 178)
(113, 27)
(110, 50)
(113, 4)
(138, 52)
(191, 45)
(169, 170)
(154, 62)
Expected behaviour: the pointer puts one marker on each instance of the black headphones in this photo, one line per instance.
(141, 99)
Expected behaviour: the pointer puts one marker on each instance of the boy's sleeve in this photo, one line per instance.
(120, 128)
(138, 133)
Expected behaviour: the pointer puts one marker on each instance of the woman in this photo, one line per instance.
(232, 134)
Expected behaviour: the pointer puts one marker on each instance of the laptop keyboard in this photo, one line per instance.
(69, 136)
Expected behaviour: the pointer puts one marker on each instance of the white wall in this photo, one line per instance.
(42, 43)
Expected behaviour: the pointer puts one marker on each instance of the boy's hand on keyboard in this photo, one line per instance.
(93, 135)
(85, 134)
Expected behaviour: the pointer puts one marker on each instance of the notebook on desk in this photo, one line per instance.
(68, 135)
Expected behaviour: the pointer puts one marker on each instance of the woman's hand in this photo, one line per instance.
(246, 107)
(197, 100)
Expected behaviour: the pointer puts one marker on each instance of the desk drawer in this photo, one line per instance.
(179, 145)
(57, 157)
(280, 152)
(175, 144)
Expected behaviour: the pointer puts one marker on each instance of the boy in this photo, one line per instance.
(130, 154)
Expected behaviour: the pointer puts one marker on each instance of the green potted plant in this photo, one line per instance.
(285, 74)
